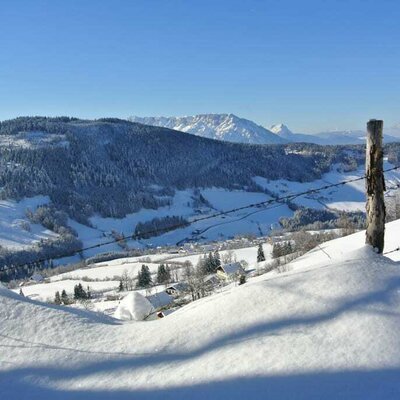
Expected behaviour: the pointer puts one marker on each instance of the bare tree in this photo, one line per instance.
(346, 225)
(228, 257)
(125, 279)
(196, 283)
(393, 206)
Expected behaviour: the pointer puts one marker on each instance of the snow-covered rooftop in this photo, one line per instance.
(232, 268)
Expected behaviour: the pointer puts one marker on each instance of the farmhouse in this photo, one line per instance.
(159, 300)
(230, 271)
(37, 278)
(177, 289)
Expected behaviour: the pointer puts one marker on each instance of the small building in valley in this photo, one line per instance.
(177, 289)
(36, 278)
(230, 271)
(160, 300)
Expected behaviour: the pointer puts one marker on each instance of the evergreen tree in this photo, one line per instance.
(210, 263)
(21, 293)
(121, 286)
(217, 259)
(287, 248)
(163, 274)
(64, 297)
(203, 265)
(57, 298)
(79, 292)
(260, 253)
(276, 250)
(144, 277)
(168, 269)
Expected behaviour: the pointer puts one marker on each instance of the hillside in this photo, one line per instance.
(327, 328)
(227, 127)
(92, 180)
(114, 167)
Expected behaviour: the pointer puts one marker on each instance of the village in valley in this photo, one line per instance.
(166, 279)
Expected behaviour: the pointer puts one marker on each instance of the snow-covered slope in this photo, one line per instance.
(327, 330)
(16, 231)
(350, 197)
(227, 127)
(255, 221)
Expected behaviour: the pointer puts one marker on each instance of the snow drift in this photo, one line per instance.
(325, 329)
(133, 306)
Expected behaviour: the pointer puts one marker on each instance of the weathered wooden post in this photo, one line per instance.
(375, 185)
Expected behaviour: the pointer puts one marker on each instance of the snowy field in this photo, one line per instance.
(16, 232)
(328, 328)
(350, 197)
(46, 291)
(33, 139)
(108, 271)
(115, 268)
(253, 221)
(248, 254)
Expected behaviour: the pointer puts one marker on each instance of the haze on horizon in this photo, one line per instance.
(312, 65)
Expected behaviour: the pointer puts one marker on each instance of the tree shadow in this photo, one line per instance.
(352, 385)
(370, 302)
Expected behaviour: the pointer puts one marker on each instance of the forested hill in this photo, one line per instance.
(114, 167)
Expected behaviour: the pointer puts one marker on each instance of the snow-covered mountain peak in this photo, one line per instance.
(281, 130)
(228, 127)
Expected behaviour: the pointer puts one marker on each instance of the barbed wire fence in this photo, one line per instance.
(156, 232)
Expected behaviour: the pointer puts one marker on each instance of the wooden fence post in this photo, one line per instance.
(375, 185)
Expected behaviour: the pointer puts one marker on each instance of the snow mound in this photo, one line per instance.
(134, 306)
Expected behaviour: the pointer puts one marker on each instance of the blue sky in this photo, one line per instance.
(314, 65)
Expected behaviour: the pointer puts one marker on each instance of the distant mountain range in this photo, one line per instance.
(231, 128)
(227, 127)
(330, 137)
